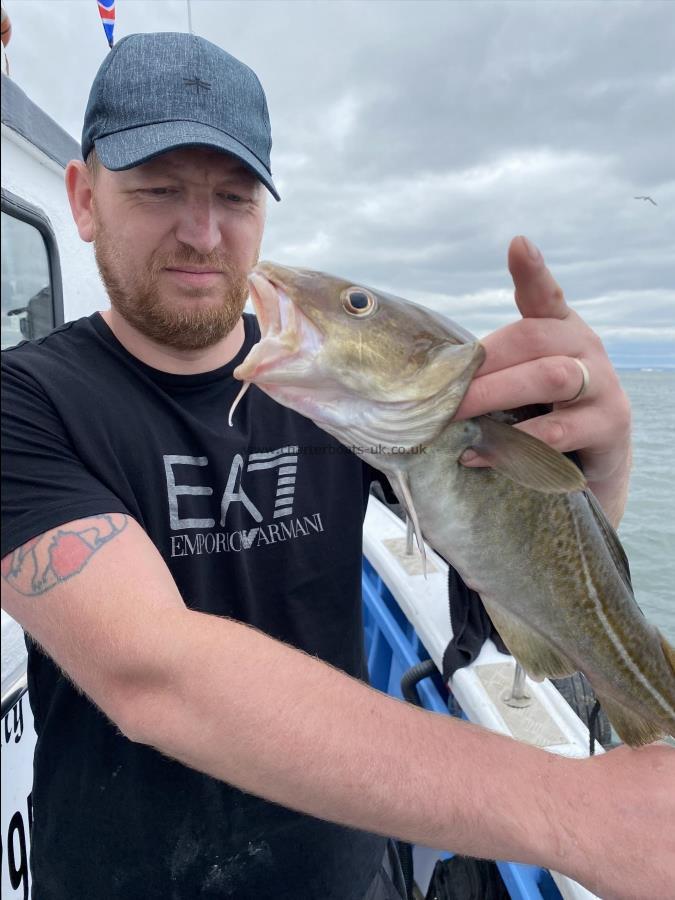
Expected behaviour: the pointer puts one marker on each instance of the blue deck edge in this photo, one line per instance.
(392, 647)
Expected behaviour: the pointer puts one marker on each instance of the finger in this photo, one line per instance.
(563, 430)
(583, 428)
(533, 338)
(580, 428)
(552, 379)
(537, 292)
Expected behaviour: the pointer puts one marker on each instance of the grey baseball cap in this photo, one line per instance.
(158, 92)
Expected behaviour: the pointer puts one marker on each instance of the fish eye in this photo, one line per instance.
(358, 302)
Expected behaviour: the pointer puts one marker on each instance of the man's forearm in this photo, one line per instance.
(273, 721)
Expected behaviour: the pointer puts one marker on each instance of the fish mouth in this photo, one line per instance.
(290, 344)
(284, 361)
(285, 335)
(273, 307)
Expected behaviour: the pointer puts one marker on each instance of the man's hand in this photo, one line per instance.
(533, 361)
(618, 839)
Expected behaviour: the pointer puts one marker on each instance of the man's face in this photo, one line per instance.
(174, 241)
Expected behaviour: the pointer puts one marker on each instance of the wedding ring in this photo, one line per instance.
(585, 381)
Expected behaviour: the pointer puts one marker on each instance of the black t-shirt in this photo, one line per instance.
(260, 522)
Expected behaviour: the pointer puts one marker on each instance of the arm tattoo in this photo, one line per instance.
(56, 556)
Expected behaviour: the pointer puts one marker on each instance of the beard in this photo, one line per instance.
(137, 297)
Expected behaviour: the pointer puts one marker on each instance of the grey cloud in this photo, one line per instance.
(412, 141)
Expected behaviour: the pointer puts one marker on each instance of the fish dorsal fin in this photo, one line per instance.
(525, 459)
(402, 482)
(611, 539)
(536, 654)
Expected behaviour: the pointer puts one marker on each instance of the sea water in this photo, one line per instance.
(647, 530)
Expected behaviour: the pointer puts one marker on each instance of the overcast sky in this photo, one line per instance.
(412, 140)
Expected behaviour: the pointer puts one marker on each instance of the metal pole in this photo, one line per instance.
(518, 696)
(189, 17)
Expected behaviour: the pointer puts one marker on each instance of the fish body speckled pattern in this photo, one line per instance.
(385, 377)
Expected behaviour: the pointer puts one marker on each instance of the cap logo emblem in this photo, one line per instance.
(197, 83)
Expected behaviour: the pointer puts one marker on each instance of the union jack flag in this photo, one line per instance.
(106, 9)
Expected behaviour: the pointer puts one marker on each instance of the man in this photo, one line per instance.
(144, 552)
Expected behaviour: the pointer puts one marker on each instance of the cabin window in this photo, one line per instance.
(27, 305)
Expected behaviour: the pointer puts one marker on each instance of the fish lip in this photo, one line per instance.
(264, 268)
(261, 271)
(276, 319)
(266, 314)
(280, 332)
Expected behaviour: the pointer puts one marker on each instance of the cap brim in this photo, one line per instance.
(126, 149)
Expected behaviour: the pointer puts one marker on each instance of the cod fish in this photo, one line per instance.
(380, 373)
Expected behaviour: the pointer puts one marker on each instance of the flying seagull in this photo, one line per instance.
(646, 198)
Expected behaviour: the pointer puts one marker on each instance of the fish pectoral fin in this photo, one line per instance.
(402, 482)
(633, 729)
(536, 654)
(526, 460)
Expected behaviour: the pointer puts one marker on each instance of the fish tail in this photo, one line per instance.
(633, 729)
